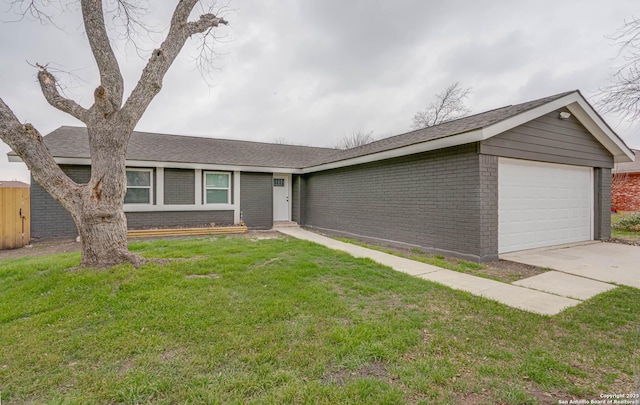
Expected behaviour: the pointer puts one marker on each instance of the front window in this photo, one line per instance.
(138, 186)
(217, 188)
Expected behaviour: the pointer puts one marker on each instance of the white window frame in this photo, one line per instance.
(205, 188)
(150, 187)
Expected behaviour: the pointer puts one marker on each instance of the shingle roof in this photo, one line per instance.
(443, 130)
(72, 142)
(630, 167)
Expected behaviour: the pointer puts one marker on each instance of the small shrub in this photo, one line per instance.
(629, 223)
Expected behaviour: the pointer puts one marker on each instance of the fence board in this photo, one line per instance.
(15, 222)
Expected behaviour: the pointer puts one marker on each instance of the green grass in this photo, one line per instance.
(286, 321)
(463, 266)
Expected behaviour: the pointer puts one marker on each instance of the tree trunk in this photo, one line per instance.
(99, 213)
(98, 206)
(104, 239)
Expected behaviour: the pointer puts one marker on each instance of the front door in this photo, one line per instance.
(281, 185)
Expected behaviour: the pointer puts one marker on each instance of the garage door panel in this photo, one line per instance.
(542, 204)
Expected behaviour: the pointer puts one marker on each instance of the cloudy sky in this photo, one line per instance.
(312, 71)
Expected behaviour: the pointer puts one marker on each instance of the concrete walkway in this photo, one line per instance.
(527, 297)
(607, 262)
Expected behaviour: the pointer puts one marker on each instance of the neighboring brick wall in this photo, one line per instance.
(179, 186)
(488, 207)
(170, 219)
(626, 195)
(256, 200)
(48, 219)
(430, 200)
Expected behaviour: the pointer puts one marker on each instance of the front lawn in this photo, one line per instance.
(235, 320)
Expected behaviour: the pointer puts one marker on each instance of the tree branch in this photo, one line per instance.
(110, 77)
(27, 143)
(449, 105)
(49, 87)
(161, 59)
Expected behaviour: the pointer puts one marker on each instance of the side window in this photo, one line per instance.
(217, 188)
(138, 186)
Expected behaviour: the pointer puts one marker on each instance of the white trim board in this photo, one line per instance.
(174, 165)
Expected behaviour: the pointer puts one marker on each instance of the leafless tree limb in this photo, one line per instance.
(34, 10)
(208, 54)
(27, 142)
(161, 59)
(622, 96)
(356, 138)
(49, 86)
(128, 15)
(110, 77)
(449, 105)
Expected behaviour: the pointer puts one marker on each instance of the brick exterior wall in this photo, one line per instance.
(256, 200)
(429, 200)
(626, 194)
(603, 228)
(171, 219)
(179, 186)
(298, 189)
(48, 219)
(488, 207)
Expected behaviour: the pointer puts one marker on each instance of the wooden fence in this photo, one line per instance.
(15, 217)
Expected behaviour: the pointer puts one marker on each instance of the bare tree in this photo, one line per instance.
(97, 206)
(449, 105)
(622, 96)
(356, 138)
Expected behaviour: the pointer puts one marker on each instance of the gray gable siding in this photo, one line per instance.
(429, 200)
(256, 200)
(179, 186)
(550, 139)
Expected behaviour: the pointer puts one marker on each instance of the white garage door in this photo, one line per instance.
(543, 204)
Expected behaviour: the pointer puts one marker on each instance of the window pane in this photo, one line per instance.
(278, 182)
(217, 196)
(136, 178)
(217, 180)
(137, 196)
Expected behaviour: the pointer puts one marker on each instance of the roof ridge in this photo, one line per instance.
(207, 137)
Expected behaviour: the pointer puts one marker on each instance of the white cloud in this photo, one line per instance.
(312, 71)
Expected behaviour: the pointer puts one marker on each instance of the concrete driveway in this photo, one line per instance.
(608, 262)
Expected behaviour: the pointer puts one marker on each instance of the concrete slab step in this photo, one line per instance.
(565, 285)
(285, 224)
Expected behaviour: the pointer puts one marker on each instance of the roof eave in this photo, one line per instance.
(582, 110)
(576, 104)
(591, 120)
(440, 143)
